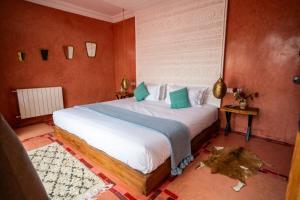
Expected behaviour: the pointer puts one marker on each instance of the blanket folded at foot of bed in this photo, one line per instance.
(176, 132)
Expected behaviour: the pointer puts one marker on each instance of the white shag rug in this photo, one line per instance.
(63, 176)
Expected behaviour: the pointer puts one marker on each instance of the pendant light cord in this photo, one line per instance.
(123, 33)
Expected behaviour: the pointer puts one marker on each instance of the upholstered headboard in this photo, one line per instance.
(182, 42)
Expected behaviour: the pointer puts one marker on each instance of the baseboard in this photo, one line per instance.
(260, 137)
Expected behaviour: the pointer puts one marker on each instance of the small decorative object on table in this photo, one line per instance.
(132, 85)
(123, 95)
(243, 97)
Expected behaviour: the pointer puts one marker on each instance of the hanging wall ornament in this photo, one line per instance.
(44, 54)
(69, 51)
(91, 48)
(219, 89)
(21, 56)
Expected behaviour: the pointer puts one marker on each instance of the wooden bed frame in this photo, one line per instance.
(144, 183)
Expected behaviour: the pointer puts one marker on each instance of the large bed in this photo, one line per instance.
(137, 155)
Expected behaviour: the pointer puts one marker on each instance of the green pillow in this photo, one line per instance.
(180, 99)
(141, 92)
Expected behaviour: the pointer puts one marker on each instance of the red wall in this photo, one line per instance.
(262, 55)
(28, 27)
(124, 51)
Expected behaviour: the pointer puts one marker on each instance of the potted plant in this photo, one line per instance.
(243, 97)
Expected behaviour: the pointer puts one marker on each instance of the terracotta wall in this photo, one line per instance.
(262, 55)
(28, 27)
(124, 51)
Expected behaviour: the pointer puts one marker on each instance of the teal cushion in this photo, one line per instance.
(180, 99)
(141, 92)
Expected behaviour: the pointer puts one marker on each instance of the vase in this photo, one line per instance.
(243, 105)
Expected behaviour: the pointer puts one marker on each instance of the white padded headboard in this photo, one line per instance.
(181, 42)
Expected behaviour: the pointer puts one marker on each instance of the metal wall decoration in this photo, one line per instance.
(219, 89)
(124, 85)
(91, 48)
(44, 54)
(21, 56)
(69, 51)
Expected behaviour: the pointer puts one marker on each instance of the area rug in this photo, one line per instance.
(234, 162)
(63, 176)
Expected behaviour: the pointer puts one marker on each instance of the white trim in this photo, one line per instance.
(68, 7)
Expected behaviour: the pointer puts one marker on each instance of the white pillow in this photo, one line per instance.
(154, 92)
(163, 91)
(196, 94)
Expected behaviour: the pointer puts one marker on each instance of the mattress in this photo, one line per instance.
(141, 148)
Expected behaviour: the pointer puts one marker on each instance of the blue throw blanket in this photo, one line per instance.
(176, 132)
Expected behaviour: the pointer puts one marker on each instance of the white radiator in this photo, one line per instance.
(39, 101)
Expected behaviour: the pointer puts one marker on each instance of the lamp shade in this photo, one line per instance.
(219, 89)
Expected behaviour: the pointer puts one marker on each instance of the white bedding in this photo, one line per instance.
(141, 148)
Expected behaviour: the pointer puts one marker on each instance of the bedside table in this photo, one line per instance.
(123, 95)
(250, 111)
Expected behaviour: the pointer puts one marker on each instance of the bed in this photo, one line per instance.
(138, 156)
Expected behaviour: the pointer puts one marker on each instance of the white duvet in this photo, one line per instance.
(141, 148)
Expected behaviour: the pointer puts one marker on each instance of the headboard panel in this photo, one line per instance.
(182, 42)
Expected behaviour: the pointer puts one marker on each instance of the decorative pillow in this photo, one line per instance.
(154, 92)
(141, 92)
(180, 99)
(196, 94)
(169, 89)
(163, 91)
(204, 95)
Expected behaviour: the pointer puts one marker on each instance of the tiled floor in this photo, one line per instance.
(194, 183)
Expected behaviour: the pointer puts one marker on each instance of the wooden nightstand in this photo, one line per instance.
(123, 95)
(250, 111)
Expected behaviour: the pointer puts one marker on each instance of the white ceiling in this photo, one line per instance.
(107, 10)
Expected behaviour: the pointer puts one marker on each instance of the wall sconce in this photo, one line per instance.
(21, 56)
(69, 51)
(91, 48)
(44, 54)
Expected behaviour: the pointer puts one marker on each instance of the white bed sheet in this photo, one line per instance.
(141, 148)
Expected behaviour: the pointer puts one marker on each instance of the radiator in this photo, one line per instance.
(39, 101)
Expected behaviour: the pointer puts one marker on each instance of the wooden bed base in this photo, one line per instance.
(144, 183)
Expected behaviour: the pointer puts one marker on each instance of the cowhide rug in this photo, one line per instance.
(236, 163)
